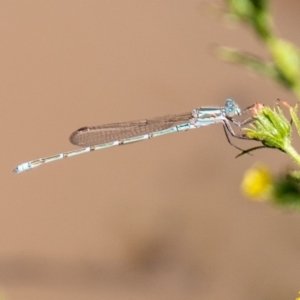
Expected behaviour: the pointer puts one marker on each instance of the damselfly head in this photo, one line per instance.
(231, 108)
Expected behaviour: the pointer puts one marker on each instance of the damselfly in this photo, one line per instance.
(108, 135)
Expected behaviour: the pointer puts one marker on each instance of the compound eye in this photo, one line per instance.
(231, 109)
(229, 102)
(230, 112)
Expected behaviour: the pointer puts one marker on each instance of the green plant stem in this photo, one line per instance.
(290, 150)
(296, 90)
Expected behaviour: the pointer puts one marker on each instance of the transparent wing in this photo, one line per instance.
(95, 135)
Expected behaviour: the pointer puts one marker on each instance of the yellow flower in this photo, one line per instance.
(257, 182)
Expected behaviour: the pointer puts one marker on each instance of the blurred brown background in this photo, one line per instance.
(160, 219)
